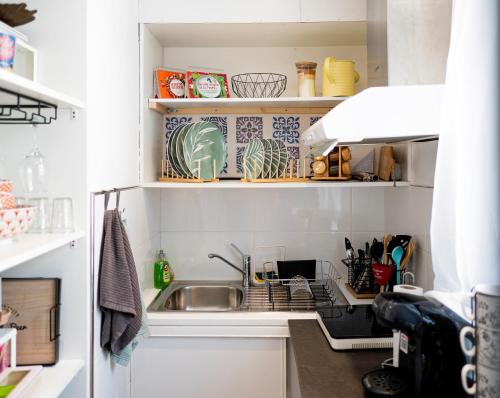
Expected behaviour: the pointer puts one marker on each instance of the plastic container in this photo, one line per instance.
(163, 274)
(306, 78)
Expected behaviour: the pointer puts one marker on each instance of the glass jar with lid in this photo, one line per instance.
(306, 78)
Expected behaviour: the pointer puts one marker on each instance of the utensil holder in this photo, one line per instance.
(360, 277)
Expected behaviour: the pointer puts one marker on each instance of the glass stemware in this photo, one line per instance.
(33, 172)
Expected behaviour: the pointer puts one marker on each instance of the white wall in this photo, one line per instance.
(409, 209)
(267, 59)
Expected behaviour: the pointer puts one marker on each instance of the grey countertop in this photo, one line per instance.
(325, 373)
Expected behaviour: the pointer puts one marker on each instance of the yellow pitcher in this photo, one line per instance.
(339, 77)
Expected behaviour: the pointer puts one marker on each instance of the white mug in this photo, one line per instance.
(463, 334)
(487, 384)
(486, 308)
(486, 346)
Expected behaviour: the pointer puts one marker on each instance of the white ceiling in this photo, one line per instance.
(318, 34)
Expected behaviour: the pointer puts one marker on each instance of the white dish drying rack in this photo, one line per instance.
(298, 293)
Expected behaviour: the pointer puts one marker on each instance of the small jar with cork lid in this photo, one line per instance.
(306, 78)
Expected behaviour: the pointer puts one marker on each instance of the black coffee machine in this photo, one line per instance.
(429, 353)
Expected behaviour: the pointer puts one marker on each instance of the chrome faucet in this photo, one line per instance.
(246, 260)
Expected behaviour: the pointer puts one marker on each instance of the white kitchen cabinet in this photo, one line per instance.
(225, 11)
(209, 367)
(332, 10)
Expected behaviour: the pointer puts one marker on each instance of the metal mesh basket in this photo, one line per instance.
(258, 85)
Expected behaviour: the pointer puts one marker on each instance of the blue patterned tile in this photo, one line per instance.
(293, 152)
(286, 129)
(172, 122)
(221, 123)
(240, 150)
(313, 119)
(248, 127)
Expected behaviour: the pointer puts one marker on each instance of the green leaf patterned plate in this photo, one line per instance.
(268, 154)
(253, 158)
(275, 161)
(283, 158)
(203, 144)
(179, 150)
(171, 155)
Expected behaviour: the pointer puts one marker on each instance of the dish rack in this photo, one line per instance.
(298, 293)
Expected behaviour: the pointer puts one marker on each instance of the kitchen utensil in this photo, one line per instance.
(367, 249)
(179, 151)
(283, 158)
(15, 221)
(299, 287)
(397, 255)
(41, 219)
(253, 159)
(289, 269)
(171, 151)
(36, 302)
(386, 163)
(387, 239)
(258, 85)
(33, 172)
(376, 250)
(306, 78)
(339, 77)
(275, 159)
(62, 216)
(349, 250)
(382, 274)
(5, 186)
(386, 382)
(268, 154)
(408, 253)
(204, 145)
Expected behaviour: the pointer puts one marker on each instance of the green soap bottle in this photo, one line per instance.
(163, 274)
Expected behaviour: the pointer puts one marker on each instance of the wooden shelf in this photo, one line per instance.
(29, 246)
(294, 105)
(21, 85)
(236, 184)
(52, 380)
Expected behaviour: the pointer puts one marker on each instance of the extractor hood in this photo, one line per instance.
(379, 115)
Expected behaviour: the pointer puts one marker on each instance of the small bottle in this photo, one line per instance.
(163, 274)
(306, 78)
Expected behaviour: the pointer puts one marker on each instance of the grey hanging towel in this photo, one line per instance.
(119, 294)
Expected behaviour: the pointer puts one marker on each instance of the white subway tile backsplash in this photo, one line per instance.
(303, 210)
(367, 209)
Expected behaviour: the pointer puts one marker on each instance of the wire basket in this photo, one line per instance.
(258, 85)
(359, 274)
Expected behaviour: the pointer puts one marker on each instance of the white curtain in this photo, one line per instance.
(465, 216)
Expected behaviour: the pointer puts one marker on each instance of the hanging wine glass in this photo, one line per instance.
(33, 171)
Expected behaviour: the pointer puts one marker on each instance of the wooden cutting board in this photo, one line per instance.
(35, 312)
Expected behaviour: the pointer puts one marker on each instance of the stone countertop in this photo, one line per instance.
(325, 373)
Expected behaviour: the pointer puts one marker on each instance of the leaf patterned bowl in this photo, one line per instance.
(15, 221)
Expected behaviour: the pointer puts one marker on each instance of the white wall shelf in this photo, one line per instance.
(23, 86)
(236, 184)
(52, 380)
(29, 246)
(307, 105)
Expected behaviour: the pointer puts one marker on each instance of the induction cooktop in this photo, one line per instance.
(353, 327)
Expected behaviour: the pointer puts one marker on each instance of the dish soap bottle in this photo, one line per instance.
(163, 274)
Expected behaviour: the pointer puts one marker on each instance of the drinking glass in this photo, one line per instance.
(41, 221)
(33, 172)
(62, 215)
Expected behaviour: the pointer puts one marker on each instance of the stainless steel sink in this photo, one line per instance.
(199, 296)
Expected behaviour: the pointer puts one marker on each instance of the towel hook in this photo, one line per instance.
(106, 201)
(117, 199)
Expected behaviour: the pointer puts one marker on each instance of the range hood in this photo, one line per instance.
(379, 115)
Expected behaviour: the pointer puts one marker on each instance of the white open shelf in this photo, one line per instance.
(52, 380)
(29, 246)
(21, 85)
(236, 184)
(245, 105)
